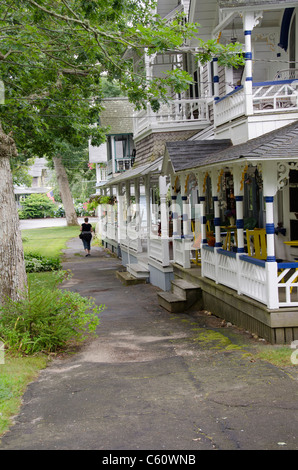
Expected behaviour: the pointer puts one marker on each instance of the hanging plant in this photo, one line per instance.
(108, 200)
(99, 199)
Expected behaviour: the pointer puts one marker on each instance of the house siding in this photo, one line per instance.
(152, 147)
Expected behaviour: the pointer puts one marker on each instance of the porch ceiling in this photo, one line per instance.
(280, 144)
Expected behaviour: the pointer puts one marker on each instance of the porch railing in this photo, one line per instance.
(230, 107)
(268, 97)
(158, 250)
(276, 95)
(123, 164)
(277, 287)
(129, 238)
(181, 251)
(179, 112)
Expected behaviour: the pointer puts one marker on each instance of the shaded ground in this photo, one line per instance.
(153, 380)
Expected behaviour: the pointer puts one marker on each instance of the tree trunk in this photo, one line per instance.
(13, 279)
(70, 213)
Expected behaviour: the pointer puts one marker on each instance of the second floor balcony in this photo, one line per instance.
(178, 114)
(119, 165)
(267, 98)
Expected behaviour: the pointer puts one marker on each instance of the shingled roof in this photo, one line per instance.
(190, 154)
(279, 144)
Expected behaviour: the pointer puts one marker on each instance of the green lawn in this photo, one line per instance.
(48, 241)
(17, 372)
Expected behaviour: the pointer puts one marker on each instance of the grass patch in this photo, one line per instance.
(15, 375)
(210, 339)
(279, 356)
(18, 371)
(48, 241)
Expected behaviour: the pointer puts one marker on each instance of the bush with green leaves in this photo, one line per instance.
(36, 263)
(37, 206)
(47, 320)
(59, 212)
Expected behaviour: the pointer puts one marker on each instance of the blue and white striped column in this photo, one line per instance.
(248, 24)
(239, 224)
(186, 217)
(270, 229)
(215, 79)
(218, 243)
(175, 216)
(271, 264)
(202, 200)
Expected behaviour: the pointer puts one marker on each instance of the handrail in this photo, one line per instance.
(256, 261)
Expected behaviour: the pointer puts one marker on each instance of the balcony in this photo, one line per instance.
(119, 165)
(277, 96)
(177, 115)
(123, 164)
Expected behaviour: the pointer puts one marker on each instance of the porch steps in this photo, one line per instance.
(184, 294)
(128, 279)
(138, 270)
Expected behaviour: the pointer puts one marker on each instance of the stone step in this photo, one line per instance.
(138, 270)
(171, 302)
(184, 294)
(185, 289)
(128, 279)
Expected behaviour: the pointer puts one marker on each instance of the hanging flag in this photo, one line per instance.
(50, 195)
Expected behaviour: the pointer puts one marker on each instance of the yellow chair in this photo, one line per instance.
(227, 244)
(256, 243)
(258, 249)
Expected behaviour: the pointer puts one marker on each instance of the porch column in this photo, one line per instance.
(187, 235)
(215, 79)
(214, 179)
(164, 221)
(238, 177)
(127, 197)
(250, 20)
(148, 208)
(138, 219)
(186, 218)
(175, 212)
(119, 213)
(269, 171)
(202, 199)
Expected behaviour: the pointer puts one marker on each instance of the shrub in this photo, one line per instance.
(35, 262)
(60, 212)
(47, 320)
(37, 206)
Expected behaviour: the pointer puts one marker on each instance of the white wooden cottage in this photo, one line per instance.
(219, 168)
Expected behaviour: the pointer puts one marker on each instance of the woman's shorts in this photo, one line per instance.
(86, 244)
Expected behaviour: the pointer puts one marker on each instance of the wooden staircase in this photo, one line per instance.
(184, 294)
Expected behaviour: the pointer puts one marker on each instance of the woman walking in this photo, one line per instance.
(86, 235)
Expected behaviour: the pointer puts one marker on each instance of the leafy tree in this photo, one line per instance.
(53, 55)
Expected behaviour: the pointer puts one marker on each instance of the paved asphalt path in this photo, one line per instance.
(154, 381)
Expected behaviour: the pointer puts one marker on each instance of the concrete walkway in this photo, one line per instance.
(153, 380)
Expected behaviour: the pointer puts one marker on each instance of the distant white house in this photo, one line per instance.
(41, 175)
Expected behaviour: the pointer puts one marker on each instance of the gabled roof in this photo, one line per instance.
(190, 154)
(280, 144)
